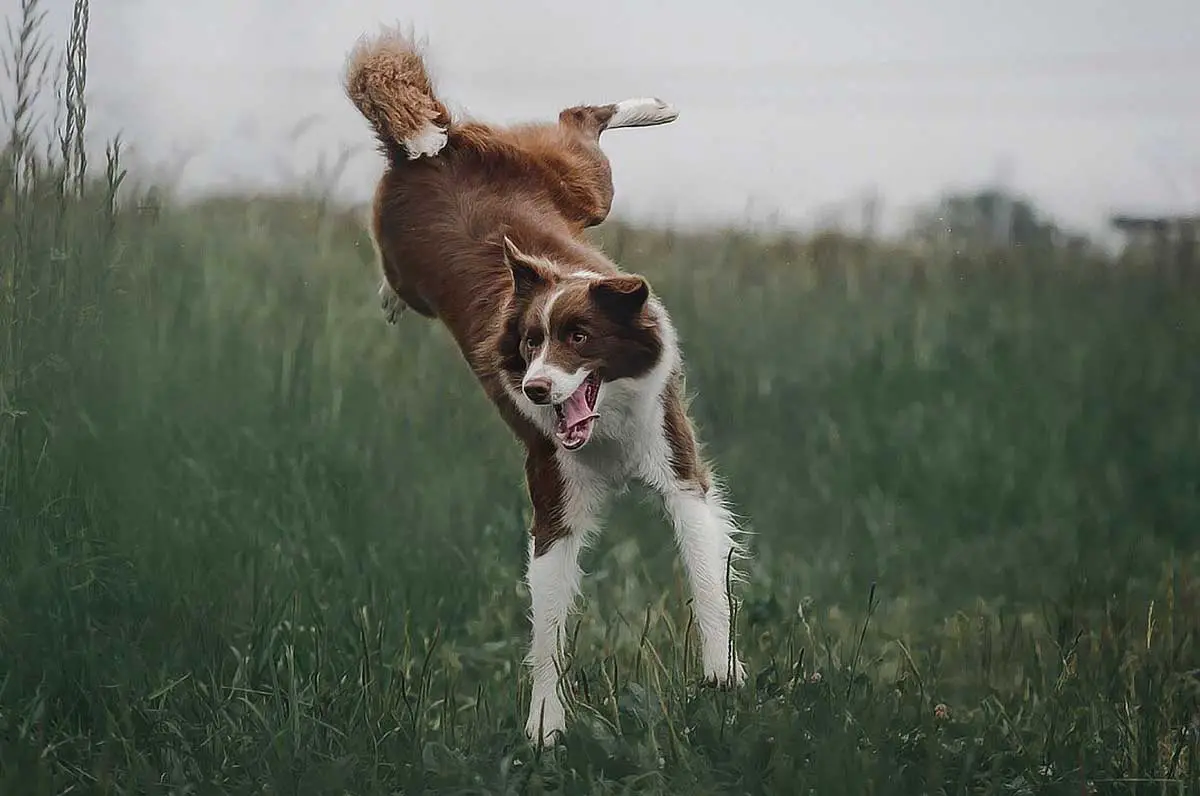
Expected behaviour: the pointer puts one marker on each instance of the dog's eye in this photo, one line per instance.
(533, 340)
(578, 338)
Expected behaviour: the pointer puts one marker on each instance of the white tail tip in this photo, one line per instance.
(426, 143)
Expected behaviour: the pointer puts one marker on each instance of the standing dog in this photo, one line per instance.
(482, 228)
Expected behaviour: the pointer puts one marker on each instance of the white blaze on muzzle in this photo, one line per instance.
(562, 383)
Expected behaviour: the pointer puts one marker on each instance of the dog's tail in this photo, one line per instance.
(387, 81)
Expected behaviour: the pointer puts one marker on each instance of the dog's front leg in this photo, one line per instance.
(554, 576)
(706, 536)
(705, 533)
(565, 506)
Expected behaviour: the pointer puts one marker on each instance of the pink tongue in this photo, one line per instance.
(575, 408)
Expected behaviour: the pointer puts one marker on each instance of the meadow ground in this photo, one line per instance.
(257, 540)
(253, 539)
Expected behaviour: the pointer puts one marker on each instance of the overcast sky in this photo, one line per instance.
(786, 107)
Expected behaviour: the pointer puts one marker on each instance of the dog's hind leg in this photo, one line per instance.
(637, 112)
(390, 302)
(394, 302)
(585, 187)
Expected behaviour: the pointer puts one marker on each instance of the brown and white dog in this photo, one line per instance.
(482, 227)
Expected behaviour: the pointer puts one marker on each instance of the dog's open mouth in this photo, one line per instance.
(577, 414)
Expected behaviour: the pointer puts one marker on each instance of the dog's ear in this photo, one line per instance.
(527, 274)
(623, 295)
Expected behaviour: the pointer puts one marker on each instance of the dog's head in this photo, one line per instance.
(569, 336)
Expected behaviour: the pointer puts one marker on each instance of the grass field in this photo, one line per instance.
(252, 539)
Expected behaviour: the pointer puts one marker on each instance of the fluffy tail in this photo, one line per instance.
(387, 81)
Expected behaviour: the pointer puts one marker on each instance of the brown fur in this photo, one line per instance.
(686, 461)
(478, 235)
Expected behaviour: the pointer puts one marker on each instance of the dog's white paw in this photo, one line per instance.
(547, 717)
(722, 675)
(389, 300)
(642, 112)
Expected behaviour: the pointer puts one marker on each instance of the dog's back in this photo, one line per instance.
(439, 223)
(452, 189)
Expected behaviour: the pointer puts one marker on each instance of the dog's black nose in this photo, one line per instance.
(538, 390)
